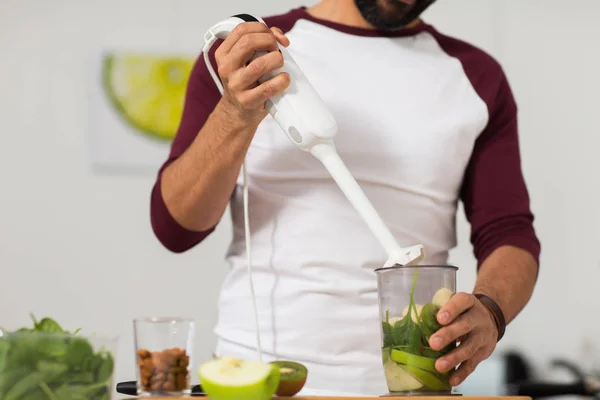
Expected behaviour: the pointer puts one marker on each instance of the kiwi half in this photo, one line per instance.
(292, 377)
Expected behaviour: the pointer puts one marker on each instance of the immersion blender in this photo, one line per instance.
(307, 122)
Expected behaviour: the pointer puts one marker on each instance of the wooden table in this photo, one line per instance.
(363, 398)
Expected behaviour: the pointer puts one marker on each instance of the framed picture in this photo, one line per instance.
(136, 102)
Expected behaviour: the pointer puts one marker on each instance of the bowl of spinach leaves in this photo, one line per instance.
(47, 362)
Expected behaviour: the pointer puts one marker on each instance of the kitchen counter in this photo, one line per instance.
(365, 398)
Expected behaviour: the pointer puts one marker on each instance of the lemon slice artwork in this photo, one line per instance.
(147, 91)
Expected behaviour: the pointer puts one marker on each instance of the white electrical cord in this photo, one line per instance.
(217, 80)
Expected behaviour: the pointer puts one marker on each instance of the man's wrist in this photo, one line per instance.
(495, 311)
(234, 118)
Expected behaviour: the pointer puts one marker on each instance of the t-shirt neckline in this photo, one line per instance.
(303, 13)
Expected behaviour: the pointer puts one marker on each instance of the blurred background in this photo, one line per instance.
(75, 236)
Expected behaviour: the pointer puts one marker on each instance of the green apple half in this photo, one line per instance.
(230, 378)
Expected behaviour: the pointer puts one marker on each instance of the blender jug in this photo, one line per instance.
(409, 299)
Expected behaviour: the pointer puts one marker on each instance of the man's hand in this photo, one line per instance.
(467, 320)
(243, 94)
(196, 188)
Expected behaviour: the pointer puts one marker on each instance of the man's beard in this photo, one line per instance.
(391, 14)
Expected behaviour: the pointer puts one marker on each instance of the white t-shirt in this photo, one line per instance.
(410, 107)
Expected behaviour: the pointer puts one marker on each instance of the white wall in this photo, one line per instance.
(78, 246)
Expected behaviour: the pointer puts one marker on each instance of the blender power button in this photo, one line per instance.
(294, 134)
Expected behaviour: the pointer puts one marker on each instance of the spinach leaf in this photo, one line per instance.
(78, 350)
(428, 321)
(400, 332)
(413, 335)
(51, 369)
(429, 317)
(105, 370)
(4, 347)
(10, 377)
(48, 325)
(407, 334)
(25, 384)
(388, 337)
(429, 352)
(52, 346)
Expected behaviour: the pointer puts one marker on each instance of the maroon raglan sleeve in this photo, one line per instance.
(201, 98)
(494, 193)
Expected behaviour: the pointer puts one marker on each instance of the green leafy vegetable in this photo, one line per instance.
(46, 325)
(388, 336)
(406, 333)
(400, 333)
(414, 335)
(428, 319)
(47, 362)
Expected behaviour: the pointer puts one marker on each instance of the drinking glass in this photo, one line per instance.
(163, 351)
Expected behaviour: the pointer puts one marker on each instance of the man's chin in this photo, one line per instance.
(393, 11)
(392, 15)
(392, 23)
(386, 14)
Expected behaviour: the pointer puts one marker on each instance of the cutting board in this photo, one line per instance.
(366, 398)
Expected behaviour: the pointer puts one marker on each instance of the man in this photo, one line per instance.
(425, 121)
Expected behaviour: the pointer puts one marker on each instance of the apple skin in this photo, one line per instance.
(262, 389)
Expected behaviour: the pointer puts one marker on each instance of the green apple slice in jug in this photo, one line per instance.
(229, 378)
(398, 379)
(429, 380)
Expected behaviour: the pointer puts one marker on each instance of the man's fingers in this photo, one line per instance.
(452, 333)
(244, 78)
(461, 354)
(257, 96)
(237, 33)
(458, 304)
(465, 369)
(281, 38)
(248, 45)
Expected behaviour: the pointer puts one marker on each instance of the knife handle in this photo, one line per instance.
(130, 388)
